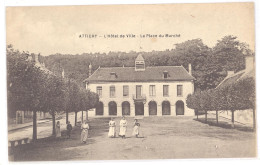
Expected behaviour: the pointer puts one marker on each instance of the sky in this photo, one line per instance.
(57, 29)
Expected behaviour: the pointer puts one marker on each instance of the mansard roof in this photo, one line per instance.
(150, 74)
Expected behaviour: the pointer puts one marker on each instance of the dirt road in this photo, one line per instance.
(164, 138)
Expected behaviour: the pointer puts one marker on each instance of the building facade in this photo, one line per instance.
(141, 90)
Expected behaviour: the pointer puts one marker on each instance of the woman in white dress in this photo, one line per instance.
(57, 129)
(84, 132)
(136, 128)
(112, 128)
(123, 125)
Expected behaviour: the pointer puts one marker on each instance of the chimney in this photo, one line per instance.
(190, 72)
(249, 63)
(89, 70)
(230, 73)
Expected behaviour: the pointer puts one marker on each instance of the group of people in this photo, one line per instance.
(58, 132)
(123, 128)
(111, 133)
(84, 132)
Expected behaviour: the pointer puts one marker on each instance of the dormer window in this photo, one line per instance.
(113, 75)
(165, 74)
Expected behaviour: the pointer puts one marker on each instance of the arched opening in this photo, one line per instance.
(152, 108)
(166, 108)
(112, 108)
(139, 108)
(100, 109)
(125, 108)
(179, 108)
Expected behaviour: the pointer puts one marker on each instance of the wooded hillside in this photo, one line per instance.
(209, 65)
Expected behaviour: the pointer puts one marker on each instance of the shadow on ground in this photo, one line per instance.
(225, 124)
(63, 146)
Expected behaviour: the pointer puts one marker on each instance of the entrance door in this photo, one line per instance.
(100, 109)
(112, 108)
(139, 108)
(139, 91)
(125, 108)
(166, 108)
(152, 108)
(179, 108)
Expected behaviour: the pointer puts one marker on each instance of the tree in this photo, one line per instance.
(239, 96)
(54, 95)
(193, 102)
(24, 81)
(91, 101)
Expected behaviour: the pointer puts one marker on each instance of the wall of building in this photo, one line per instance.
(188, 88)
(244, 117)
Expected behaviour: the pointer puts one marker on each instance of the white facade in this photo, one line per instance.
(141, 91)
(158, 98)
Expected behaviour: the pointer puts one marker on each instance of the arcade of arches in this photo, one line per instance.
(139, 108)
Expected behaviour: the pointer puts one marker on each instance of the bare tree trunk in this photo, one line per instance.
(53, 123)
(76, 118)
(233, 120)
(87, 115)
(197, 114)
(67, 116)
(217, 116)
(34, 125)
(82, 114)
(67, 113)
(254, 121)
(206, 116)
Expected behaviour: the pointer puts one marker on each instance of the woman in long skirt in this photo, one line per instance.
(57, 129)
(136, 128)
(123, 125)
(112, 128)
(84, 132)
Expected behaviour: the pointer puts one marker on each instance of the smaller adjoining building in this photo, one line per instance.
(242, 116)
(141, 90)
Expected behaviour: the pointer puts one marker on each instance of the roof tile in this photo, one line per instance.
(128, 74)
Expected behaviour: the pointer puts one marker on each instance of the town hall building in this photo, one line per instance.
(141, 90)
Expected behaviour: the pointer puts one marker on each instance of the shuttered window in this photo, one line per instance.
(179, 90)
(152, 90)
(112, 91)
(125, 90)
(165, 90)
(99, 91)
